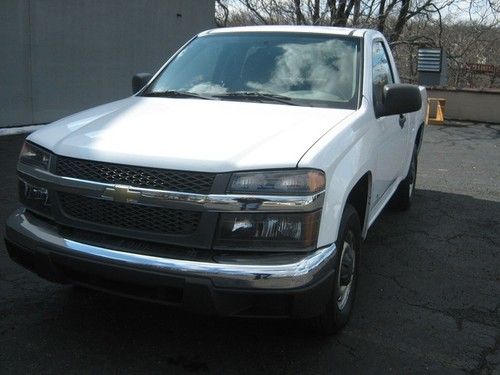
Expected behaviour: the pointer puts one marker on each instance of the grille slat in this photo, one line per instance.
(152, 178)
(130, 216)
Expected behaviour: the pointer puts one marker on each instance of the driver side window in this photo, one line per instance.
(381, 74)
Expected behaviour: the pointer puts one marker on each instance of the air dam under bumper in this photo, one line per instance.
(298, 289)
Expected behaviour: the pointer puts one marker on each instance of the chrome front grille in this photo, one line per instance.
(151, 178)
(129, 216)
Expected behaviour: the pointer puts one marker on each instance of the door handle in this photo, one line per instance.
(402, 120)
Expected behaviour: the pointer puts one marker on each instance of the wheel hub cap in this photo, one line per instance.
(346, 272)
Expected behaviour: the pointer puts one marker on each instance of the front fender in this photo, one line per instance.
(346, 153)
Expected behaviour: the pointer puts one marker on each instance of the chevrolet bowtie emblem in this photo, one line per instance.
(121, 193)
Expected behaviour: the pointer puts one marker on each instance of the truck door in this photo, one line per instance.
(391, 130)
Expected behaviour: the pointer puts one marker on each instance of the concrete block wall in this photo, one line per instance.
(62, 56)
(469, 104)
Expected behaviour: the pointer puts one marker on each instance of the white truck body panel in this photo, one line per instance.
(191, 134)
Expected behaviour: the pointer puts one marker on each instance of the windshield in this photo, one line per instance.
(285, 68)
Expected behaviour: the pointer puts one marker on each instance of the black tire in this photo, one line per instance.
(403, 196)
(339, 306)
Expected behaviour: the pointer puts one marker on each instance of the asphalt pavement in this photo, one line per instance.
(428, 299)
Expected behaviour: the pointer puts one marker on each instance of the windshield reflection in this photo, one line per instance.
(317, 70)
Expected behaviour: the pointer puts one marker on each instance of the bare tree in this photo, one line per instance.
(221, 13)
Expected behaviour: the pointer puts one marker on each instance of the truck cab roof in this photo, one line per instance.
(346, 31)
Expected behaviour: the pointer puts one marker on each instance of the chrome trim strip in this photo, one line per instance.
(173, 199)
(31, 232)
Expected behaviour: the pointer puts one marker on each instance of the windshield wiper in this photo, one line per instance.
(177, 94)
(259, 96)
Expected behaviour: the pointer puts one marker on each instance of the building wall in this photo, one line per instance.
(15, 80)
(469, 104)
(62, 56)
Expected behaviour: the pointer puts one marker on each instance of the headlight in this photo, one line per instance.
(269, 231)
(34, 197)
(293, 181)
(34, 155)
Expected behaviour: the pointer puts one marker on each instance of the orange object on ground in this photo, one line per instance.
(438, 119)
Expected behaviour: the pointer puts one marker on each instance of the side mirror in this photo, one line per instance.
(401, 98)
(140, 80)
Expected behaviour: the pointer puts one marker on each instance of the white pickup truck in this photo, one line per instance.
(240, 179)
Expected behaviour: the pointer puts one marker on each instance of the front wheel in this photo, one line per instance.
(339, 306)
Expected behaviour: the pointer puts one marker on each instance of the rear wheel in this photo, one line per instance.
(403, 196)
(339, 306)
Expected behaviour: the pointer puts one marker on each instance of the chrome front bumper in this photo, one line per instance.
(37, 235)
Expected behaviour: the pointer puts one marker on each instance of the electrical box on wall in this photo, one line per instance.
(432, 67)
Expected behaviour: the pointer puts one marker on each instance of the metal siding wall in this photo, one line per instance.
(15, 77)
(84, 52)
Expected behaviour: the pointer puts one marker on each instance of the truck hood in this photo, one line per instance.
(190, 134)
